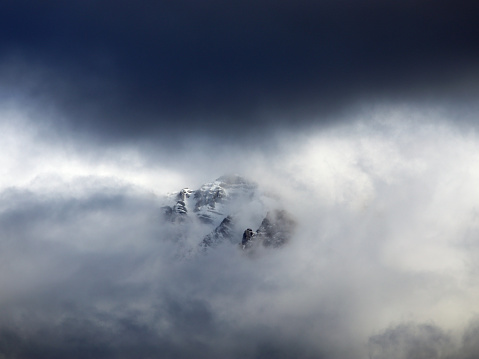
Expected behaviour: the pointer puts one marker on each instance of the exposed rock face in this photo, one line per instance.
(213, 201)
(178, 210)
(221, 233)
(276, 229)
(184, 194)
(217, 211)
(247, 236)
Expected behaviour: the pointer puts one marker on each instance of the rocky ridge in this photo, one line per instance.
(219, 211)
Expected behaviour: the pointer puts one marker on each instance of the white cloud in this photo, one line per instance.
(35, 158)
(387, 212)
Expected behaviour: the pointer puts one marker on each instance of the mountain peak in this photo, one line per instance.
(219, 212)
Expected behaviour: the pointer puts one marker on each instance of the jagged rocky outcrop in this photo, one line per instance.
(218, 212)
(276, 229)
(213, 201)
(225, 231)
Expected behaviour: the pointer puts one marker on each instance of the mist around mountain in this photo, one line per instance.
(221, 211)
(365, 246)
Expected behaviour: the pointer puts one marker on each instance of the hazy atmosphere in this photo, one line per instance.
(361, 118)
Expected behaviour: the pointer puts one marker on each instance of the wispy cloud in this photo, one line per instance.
(382, 263)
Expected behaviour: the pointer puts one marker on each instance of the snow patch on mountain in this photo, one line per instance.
(219, 211)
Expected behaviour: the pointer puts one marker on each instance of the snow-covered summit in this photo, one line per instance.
(220, 211)
(213, 201)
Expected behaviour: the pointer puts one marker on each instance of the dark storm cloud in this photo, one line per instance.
(128, 69)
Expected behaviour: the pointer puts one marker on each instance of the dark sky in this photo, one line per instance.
(123, 70)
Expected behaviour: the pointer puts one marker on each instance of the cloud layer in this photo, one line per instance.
(383, 263)
(230, 69)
